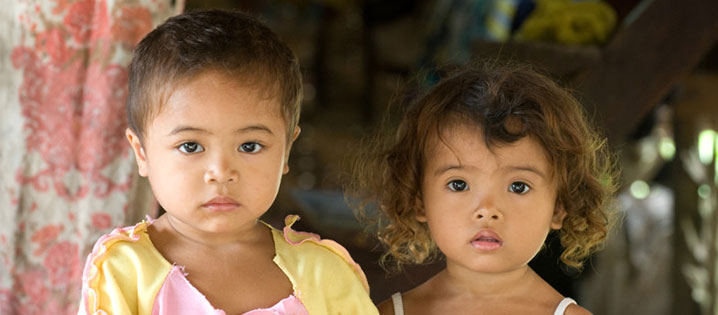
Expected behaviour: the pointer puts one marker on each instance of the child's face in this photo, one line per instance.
(488, 211)
(215, 154)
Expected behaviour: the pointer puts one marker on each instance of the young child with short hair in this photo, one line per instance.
(481, 169)
(213, 109)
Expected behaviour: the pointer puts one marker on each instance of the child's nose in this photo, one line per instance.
(221, 171)
(487, 210)
(488, 214)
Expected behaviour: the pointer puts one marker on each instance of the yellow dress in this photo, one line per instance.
(125, 274)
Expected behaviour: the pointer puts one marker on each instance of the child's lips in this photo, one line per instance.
(487, 240)
(221, 204)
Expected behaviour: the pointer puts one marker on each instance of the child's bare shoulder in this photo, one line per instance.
(429, 297)
(576, 309)
(386, 307)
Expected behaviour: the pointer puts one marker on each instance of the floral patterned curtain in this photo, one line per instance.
(66, 172)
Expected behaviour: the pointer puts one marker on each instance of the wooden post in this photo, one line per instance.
(695, 180)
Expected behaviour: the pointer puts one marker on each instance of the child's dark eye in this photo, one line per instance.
(191, 147)
(458, 185)
(519, 188)
(250, 147)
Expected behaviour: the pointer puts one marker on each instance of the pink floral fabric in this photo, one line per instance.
(66, 173)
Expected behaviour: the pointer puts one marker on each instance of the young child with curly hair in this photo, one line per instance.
(481, 169)
(213, 112)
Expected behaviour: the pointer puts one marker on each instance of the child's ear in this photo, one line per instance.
(419, 206)
(559, 213)
(297, 131)
(140, 157)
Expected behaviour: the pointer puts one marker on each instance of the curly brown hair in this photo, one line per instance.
(508, 102)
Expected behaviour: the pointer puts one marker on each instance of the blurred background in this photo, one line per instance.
(646, 70)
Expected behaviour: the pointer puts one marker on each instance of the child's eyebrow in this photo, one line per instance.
(447, 168)
(531, 169)
(528, 169)
(261, 128)
(179, 129)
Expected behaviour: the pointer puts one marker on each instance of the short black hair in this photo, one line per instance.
(231, 42)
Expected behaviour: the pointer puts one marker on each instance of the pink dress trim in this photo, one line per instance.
(179, 296)
(289, 305)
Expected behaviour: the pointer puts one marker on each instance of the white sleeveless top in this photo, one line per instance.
(399, 305)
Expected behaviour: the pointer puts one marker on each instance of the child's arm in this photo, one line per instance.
(386, 307)
(575, 309)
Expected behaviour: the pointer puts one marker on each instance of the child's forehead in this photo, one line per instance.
(461, 135)
(246, 82)
(443, 132)
(198, 90)
(197, 98)
(466, 147)
(449, 139)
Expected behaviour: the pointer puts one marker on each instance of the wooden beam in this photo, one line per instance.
(644, 61)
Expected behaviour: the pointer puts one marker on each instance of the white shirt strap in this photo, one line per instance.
(563, 305)
(398, 303)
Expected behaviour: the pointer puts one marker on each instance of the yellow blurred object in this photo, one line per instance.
(569, 22)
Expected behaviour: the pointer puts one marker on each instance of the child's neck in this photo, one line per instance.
(250, 233)
(460, 280)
